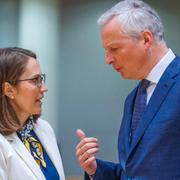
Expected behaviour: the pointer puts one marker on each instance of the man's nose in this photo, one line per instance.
(109, 58)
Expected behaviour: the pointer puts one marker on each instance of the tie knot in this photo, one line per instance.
(144, 83)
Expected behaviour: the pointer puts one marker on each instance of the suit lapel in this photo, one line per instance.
(23, 153)
(152, 108)
(124, 133)
(130, 106)
(163, 87)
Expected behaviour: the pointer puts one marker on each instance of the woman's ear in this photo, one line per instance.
(8, 90)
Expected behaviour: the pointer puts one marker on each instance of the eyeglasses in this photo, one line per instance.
(37, 81)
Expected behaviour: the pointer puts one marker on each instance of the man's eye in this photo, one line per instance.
(114, 49)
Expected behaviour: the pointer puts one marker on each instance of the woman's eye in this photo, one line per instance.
(35, 80)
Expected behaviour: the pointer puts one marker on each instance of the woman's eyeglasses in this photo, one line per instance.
(37, 81)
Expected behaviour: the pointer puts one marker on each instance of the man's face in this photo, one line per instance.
(127, 55)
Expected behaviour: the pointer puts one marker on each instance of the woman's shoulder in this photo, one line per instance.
(42, 124)
(5, 142)
(2, 139)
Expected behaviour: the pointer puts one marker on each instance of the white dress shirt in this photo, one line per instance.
(157, 71)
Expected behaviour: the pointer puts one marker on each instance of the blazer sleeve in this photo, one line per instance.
(106, 171)
(3, 165)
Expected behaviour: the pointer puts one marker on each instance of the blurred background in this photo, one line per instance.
(83, 91)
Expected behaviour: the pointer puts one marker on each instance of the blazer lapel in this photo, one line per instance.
(163, 87)
(23, 153)
(50, 148)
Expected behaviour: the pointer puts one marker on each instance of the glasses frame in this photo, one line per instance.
(39, 81)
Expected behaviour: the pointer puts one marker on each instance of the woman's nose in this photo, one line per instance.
(44, 88)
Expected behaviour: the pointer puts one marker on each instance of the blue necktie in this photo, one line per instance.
(139, 104)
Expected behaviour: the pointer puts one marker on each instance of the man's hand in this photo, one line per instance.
(85, 152)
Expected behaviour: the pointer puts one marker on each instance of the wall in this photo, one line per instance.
(39, 30)
(9, 22)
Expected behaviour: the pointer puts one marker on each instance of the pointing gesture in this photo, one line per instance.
(85, 152)
(80, 134)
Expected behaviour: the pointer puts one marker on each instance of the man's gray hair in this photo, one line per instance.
(135, 16)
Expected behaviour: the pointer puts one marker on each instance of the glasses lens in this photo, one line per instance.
(41, 79)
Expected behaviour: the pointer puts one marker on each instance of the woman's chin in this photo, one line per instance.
(38, 112)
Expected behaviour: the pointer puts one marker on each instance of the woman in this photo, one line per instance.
(28, 148)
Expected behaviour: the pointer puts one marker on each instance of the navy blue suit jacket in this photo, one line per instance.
(154, 153)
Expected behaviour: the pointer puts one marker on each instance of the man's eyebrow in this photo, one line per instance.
(113, 43)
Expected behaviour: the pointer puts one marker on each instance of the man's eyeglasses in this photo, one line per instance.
(37, 81)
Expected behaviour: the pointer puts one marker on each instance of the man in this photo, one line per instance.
(149, 138)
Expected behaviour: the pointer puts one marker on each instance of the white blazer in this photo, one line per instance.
(16, 163)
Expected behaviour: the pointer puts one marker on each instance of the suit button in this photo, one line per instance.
(130, 137)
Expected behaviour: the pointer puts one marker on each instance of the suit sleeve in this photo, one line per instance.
(106, 171)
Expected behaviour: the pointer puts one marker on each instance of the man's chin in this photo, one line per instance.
(124, 76)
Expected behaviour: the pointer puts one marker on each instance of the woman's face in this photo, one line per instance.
(27, 94)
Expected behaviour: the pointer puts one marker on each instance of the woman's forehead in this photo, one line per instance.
(32, 67)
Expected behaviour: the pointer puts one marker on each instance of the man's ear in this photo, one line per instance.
(148, 38)
(8, 90)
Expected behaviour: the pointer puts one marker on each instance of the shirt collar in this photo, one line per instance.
(157, 71)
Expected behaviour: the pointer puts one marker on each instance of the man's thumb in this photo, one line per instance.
(80, 134)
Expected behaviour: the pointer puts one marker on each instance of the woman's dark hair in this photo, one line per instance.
(13, 61)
